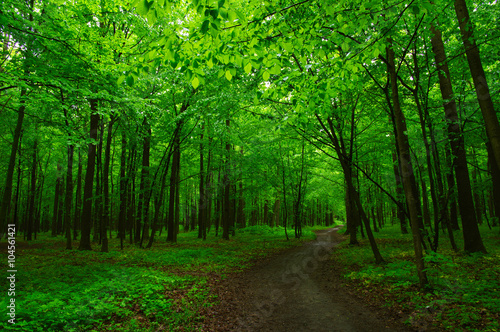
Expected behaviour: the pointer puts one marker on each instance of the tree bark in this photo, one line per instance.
(174, 174)
(69, 182)
(69, 196)
(226, 216)
(105, 187)
(86, 221)
(472, 237)
(408, 175)
(78, 200)
(202, 192)
(7, 194)
(478, 76)
(55, 214)
(31, 209)
(122, 215)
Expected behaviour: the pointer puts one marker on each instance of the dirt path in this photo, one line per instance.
(295, 291)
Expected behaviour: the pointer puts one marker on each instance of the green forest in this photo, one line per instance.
(243, 165)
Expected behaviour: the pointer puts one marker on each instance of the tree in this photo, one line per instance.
(86, 220)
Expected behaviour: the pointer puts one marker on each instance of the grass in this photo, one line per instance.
(465, 289)
(162, 288)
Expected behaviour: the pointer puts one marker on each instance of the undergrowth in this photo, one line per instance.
(464, 290)
(162, 288)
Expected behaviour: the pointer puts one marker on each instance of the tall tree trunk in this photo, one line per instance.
(399, 195)
(202, 192)
(105, 186)
(69, 196)
(226, 215)
(78, 200)
(450, 180)
(86, 221)
(18, 187)
(276, 210)
(147, 184)
(209, 190)
(131, 192)
(122, 216)
(7, 193)
(172, 227)
(482, 91)
(55, 214)
(472, 237)
(31, 209)
(423, 119)
(98, 204)
(408, 175)
(69, 182)
(159, 198)
(495, 178)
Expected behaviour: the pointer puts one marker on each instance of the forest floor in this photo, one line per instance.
(298, 289)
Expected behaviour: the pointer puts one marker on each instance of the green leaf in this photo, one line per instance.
(142, 7)
(232, 16)
(275, 70)
(266, 75)
(248, 68)
(221, 3)
(241, 16)
(228, 75)
(288, 47)
(204, 26)
(152, 54)
(195, 82)
(121, 79)
(214, 13)
(130, 80)
(345, 46)
(223, 13)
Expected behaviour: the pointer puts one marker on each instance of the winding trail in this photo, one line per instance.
(296, 291)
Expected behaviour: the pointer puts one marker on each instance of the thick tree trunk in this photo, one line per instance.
(399, 195)
(472, 237)
(353, 219)
(18, 187)
(482, 91)
(450, 180)
(408, 175)
(495, 178)
(98, 204)
(7, 193)
(86, 221)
